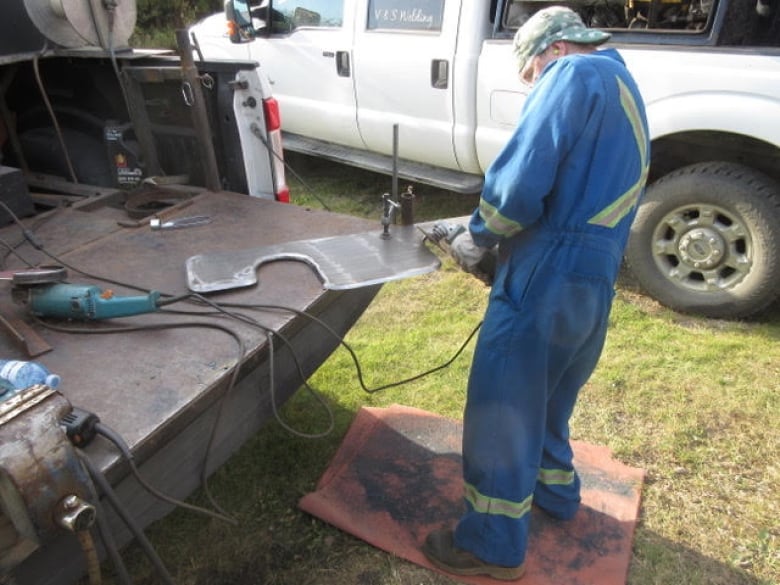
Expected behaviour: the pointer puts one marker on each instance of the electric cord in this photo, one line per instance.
(221, 399)
(120, 444)
(271, 374)
(28, 235)
(109, 543)
(272, 382)
(104, 530)
(72, 268)
(100, 480)
(353, 354)
(315, 395)
(26, 232)
(52, 115)
(13, 251)
(221, 307)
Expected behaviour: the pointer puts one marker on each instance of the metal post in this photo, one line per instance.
(200, 120)
(394, 190)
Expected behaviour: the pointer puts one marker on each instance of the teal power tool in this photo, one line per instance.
(46, 295)
(79, 301)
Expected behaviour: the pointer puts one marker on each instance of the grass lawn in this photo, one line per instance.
(694, 402)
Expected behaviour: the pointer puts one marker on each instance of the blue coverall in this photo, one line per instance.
(559, 200)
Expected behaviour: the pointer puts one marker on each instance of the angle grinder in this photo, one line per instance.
(45, 293)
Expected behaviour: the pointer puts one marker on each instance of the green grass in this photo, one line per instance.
(694, 402)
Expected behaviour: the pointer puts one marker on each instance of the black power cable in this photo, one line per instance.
(99, 479)
(352, 353)
(221, 399)
(222, 308)
(106, 536)
(120, 444)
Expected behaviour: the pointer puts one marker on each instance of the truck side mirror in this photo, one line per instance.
(239, 21)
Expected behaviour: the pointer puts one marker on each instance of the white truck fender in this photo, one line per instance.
(716, 111)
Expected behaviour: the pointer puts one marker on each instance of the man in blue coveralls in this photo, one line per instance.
(558, 201)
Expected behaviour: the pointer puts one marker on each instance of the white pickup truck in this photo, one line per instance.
(433, 82)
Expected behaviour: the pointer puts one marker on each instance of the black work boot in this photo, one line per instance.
(440, 549)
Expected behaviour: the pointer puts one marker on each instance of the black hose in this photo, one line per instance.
(107, 537)
(120, 444)
(147, 547)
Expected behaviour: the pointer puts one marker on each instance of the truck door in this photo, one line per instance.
(307, 59)
(412, 43)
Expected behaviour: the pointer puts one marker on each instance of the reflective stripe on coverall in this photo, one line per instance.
(559, 200)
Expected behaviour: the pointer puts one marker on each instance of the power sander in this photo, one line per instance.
(45, 294)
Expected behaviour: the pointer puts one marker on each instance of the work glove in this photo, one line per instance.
(456, 240)
(445, 231)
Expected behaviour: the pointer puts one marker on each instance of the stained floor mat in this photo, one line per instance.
(397, 476)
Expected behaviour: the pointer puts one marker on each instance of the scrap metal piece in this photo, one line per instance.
(183, 222)
(340, 262)
(23, 335)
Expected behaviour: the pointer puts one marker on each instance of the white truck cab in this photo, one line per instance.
(707, 236)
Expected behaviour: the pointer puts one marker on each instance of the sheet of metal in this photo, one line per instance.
(340, 262)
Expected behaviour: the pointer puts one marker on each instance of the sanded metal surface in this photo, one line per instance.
(340, 262)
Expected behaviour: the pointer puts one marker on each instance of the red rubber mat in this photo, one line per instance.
(397, 476)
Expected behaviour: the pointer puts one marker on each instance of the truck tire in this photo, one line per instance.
(88, 155)
(706, 240)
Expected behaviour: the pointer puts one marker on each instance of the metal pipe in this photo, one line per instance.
(394, 190)
(407, 206)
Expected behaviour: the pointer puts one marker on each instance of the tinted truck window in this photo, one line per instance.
(307, 13)
(690, 16)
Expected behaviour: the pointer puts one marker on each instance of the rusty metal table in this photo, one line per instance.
(159, 388)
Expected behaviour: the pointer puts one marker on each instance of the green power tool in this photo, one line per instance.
(46, 295)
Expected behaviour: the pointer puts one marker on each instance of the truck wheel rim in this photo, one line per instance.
(703, 248)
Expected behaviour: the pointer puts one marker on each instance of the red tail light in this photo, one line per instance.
(273, 124)
(273, 121)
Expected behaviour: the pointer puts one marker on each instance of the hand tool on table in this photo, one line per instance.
(443, 233)
(45, 294)
(182, 222)
(22, 334)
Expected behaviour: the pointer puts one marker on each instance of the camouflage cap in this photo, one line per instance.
(556, 23)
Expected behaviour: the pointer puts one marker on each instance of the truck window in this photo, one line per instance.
(405, 14)
(289, 15)
(691, 16)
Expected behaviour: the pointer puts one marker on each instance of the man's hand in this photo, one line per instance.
(456, 240)
(444, 230)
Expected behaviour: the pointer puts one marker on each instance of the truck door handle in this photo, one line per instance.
(342, 63)
(440, 73)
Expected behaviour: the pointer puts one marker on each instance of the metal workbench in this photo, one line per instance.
(160, 389)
